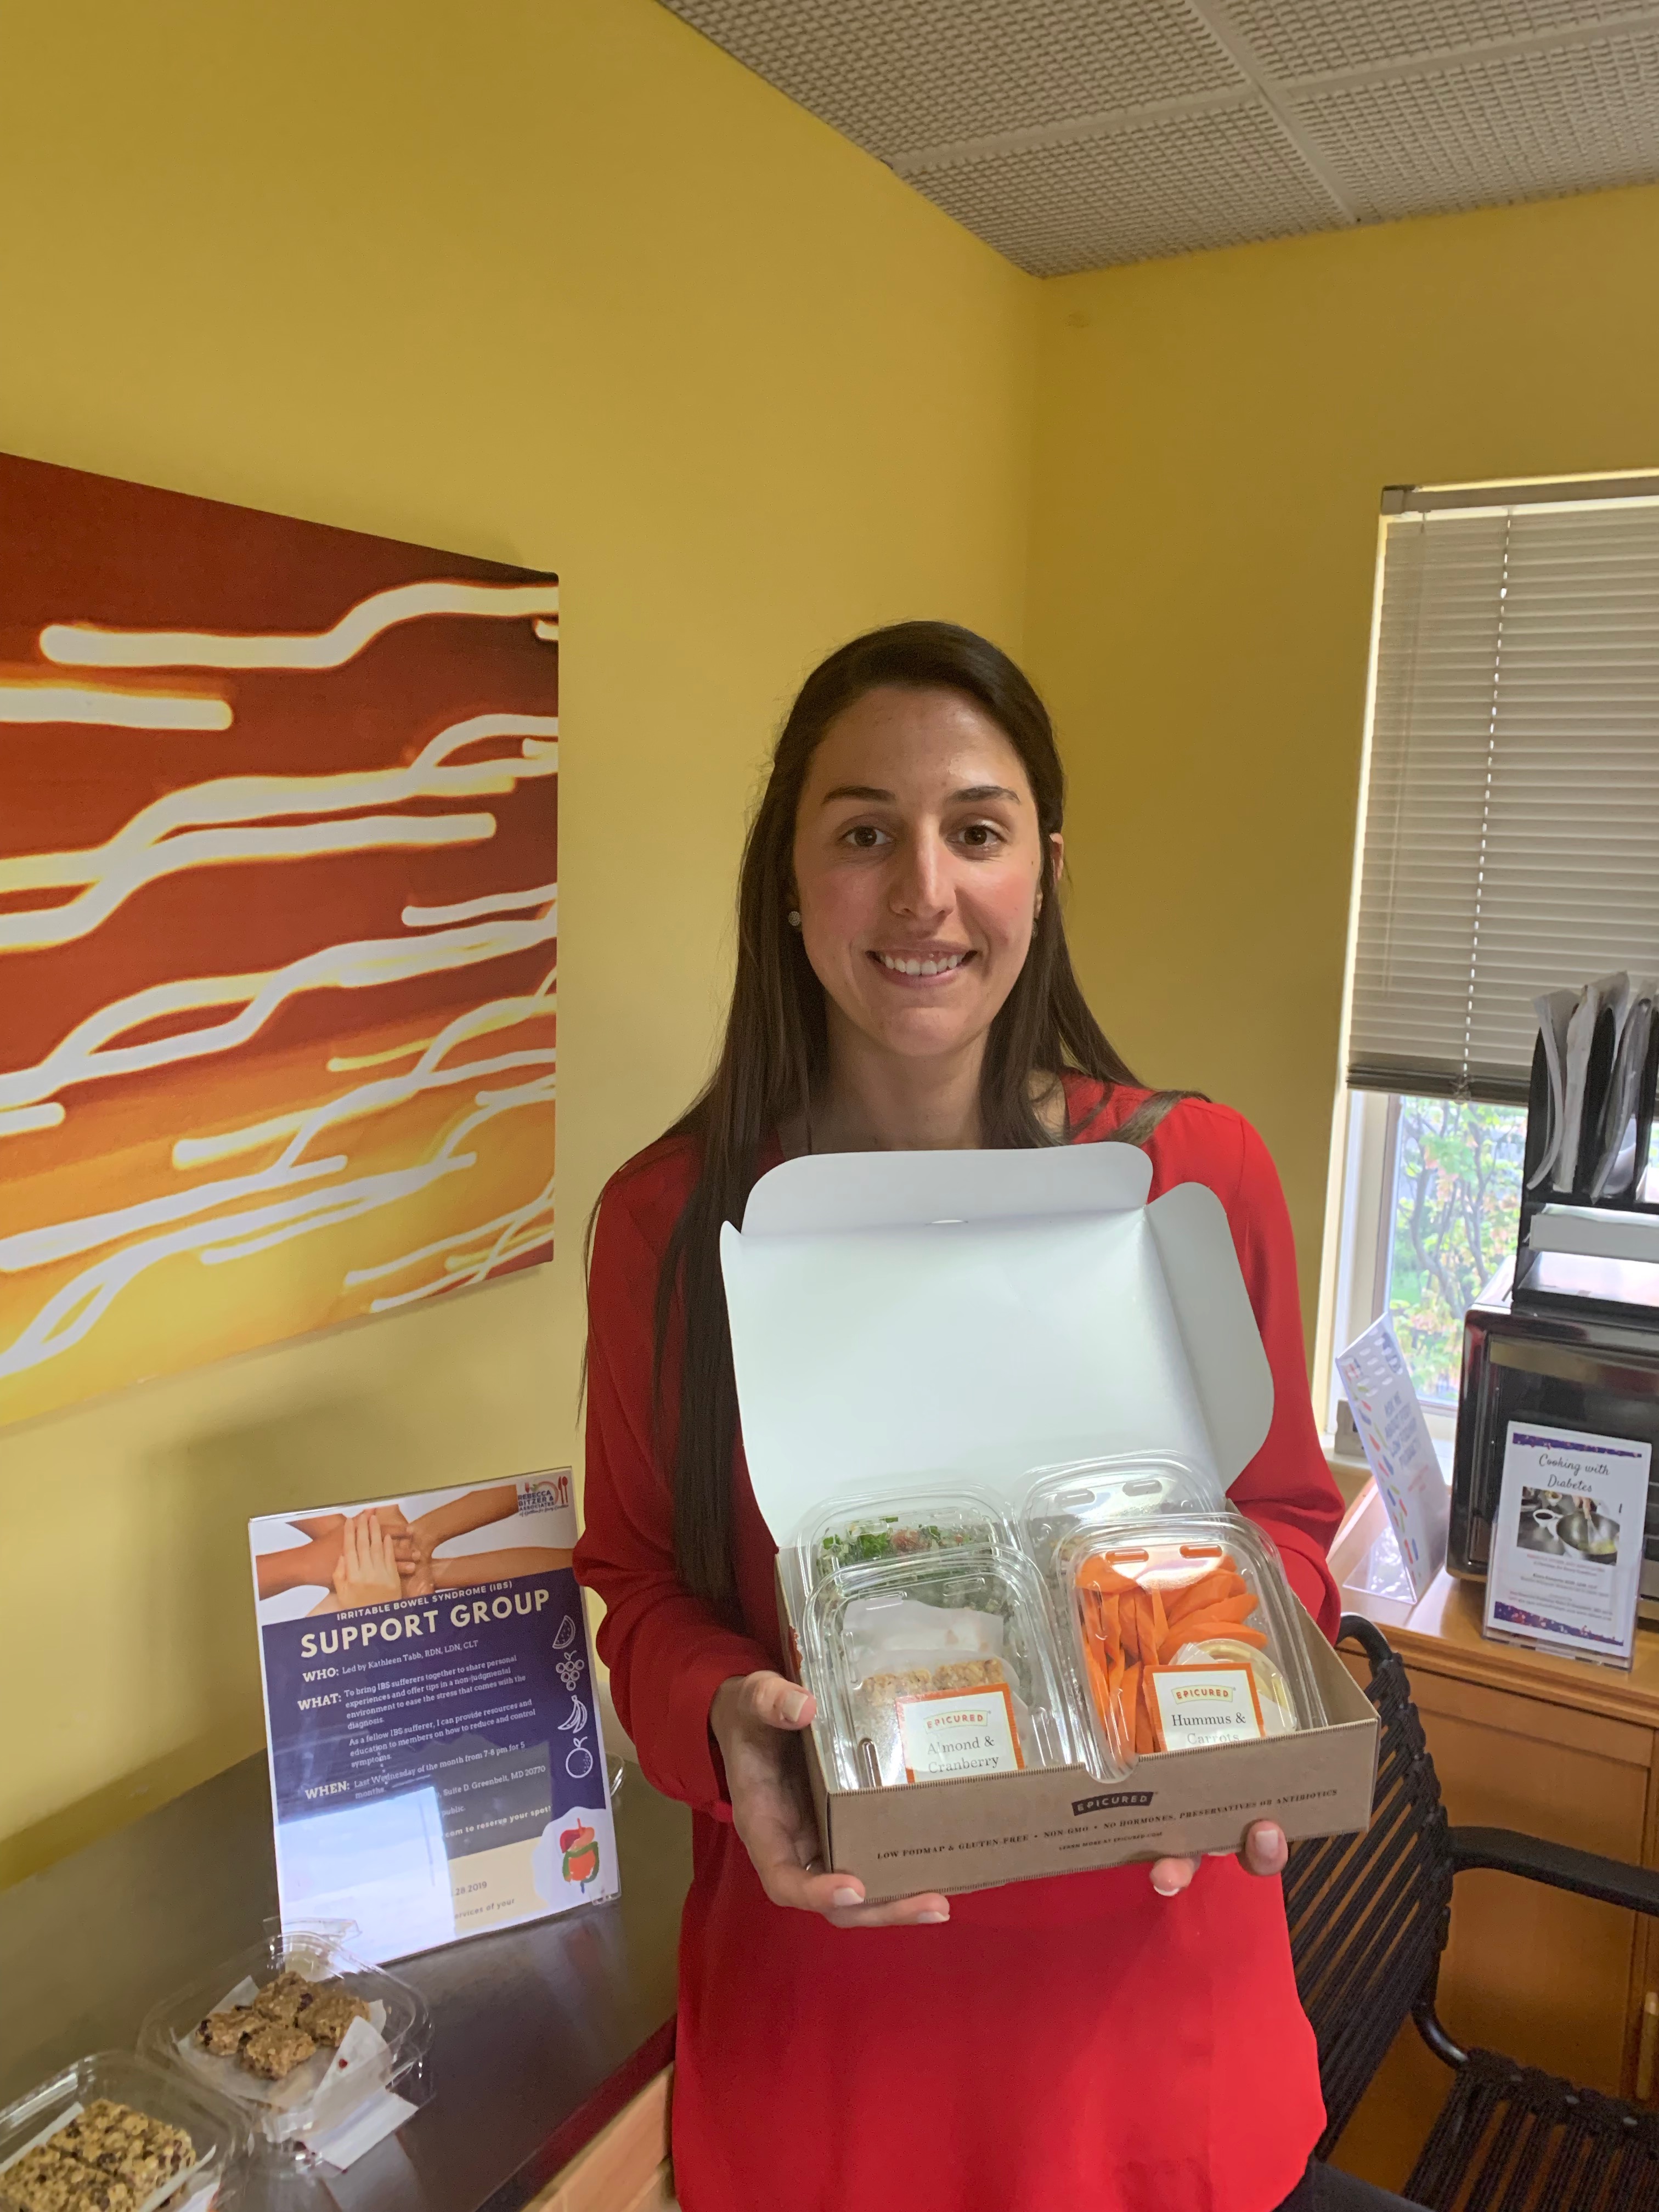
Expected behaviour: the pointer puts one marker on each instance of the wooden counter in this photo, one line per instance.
(551, 2040)
(1558, 1748)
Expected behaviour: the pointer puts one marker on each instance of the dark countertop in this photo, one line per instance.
(540, 2033)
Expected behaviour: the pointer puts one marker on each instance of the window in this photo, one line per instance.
(1509, 844)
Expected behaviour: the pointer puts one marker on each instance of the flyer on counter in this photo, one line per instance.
(436, 1766)
(1387, 1419)
(1566, 1543)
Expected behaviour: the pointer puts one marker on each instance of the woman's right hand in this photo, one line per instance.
(755, 1719)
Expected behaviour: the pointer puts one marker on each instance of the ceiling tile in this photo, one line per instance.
(898, 75)
(1310, 37)
(1576, 119)
(1210, 180)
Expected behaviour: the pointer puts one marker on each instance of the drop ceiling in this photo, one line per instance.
(1075, 134)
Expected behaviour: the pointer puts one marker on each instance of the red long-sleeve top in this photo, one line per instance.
(1079, 2041)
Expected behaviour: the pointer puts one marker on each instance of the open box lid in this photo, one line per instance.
(968, 1316)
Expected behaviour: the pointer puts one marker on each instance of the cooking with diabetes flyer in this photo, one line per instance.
(436, 1766)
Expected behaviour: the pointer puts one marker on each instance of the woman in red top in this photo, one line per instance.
(1125, 2041)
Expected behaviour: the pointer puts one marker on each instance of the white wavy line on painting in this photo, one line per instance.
(208, 824)
(114, 710)
(378, 1273)
(547, 630)
(505, 1102)
(349, 1063)
(71, 1314)
(50, 926)
(428, 917)
(21, 1119)
(67, 1240)
(87, 1054)
(428, 1073)
(507, 1245)
(89, 645)
(301, 1128)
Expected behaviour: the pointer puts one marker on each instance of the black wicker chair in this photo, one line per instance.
(1369, 1918)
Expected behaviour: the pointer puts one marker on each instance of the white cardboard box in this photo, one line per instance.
(901, 1318)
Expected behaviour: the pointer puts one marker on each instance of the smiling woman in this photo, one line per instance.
(902, 984)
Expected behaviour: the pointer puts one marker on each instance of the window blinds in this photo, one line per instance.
(1510, 832)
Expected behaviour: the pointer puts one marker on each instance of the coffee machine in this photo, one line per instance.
(1567, 1333)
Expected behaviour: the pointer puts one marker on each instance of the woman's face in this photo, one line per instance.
(917, 863)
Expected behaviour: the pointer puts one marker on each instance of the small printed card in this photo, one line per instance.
(1394, 1437)
(949, 1732)
(1566, 1543)
(1194, 1705)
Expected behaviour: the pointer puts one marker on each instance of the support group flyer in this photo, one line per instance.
(436, 1765)
(1565, 1570)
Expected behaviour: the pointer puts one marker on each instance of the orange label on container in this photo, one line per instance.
(1196, 1705)
(953, 1732)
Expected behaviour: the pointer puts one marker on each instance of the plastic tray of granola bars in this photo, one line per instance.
(385, 2047)
(938, 1666)
(113, 2133)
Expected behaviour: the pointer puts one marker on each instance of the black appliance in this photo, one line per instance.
(1569, 1337)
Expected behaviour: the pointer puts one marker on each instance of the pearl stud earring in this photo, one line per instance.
(794, 917)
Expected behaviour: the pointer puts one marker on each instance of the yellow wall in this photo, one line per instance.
(1215, 433)
(551, 281)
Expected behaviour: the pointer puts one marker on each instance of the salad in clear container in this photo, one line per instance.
(862, 1532)
(933, 1667)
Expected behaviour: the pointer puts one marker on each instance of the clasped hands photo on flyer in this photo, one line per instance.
(379, 1555)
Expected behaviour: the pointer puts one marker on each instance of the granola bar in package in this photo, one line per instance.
(110, 2134)
(296, 2033)
(1183, 1630)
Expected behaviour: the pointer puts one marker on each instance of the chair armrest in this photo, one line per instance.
(1586, 1873)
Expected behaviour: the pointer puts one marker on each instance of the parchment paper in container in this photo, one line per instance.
(216, 2129)
(387, 2051)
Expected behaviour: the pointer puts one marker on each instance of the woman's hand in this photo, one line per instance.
(368, 1572)
(1265, 1852)
(755, 1720)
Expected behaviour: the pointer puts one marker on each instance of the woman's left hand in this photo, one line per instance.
(1265, 1852)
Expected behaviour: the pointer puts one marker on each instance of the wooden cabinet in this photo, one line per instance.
(1558, 1749)
(625, 2168)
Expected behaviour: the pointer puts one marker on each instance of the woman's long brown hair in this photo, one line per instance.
(774, 1056)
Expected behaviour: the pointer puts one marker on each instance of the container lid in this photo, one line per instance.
(910, 1318)
(200, 2141)
(899, 1525)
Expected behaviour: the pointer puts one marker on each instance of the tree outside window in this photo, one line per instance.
(1456, 1209)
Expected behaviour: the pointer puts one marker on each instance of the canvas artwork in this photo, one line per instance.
(278, 928)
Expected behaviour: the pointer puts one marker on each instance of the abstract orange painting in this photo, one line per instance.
(278, 928)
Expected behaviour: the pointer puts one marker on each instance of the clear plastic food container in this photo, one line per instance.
(234, 2032)
(862, 1532)
(1184, 1633)
(1098, 1493)
(113, 2133)
(936, 1667)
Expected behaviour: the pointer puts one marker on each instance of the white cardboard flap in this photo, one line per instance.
(905, 1317)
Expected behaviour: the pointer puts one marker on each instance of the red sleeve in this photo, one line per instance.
(1286, 1489)
(667, 1651)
